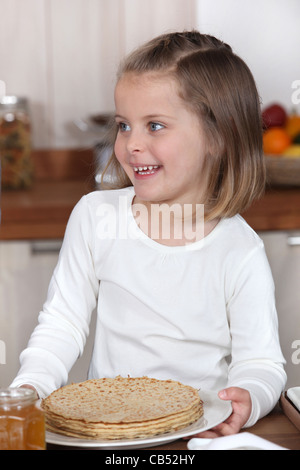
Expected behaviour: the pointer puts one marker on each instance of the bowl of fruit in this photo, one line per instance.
(281, 142)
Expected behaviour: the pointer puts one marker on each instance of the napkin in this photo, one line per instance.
(294, 396)
(241, 441)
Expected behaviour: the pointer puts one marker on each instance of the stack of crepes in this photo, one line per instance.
(121, 408)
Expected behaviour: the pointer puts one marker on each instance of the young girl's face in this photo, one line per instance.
(160, 142)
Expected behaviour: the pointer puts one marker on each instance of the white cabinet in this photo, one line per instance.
(283, 251)
(25, 272)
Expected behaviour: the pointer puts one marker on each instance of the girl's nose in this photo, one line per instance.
(135, 142)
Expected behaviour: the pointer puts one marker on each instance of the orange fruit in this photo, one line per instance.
(292, 125)
(275, 140)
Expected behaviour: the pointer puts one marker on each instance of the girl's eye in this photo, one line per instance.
(123, 127)
(155, 126)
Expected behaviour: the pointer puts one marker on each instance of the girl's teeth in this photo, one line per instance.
(145, 170)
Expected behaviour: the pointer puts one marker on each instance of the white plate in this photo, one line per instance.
(215, 412)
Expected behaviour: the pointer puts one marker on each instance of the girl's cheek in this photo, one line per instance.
(121, 156)
(117, 150)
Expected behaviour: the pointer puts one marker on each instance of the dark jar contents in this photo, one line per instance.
(22, 423)
(15, 143)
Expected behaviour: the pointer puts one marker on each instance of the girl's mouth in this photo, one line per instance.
(146, 169)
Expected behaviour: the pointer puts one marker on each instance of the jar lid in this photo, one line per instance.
(11, 396)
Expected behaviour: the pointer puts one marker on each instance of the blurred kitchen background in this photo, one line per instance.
(62, 55)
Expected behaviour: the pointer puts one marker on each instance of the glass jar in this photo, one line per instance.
(22, 424)
(15, 143)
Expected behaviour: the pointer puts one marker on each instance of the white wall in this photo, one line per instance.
(266, 34)
(63, 54)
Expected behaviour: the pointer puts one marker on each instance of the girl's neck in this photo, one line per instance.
(172, 225)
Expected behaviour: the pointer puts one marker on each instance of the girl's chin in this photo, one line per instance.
(147, 197)
(144, 197)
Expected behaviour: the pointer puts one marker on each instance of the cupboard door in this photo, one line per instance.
(283, 251)
(24, 279)
(25, 272)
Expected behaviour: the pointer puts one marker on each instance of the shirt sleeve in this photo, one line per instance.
(256, 360)
(63, 324)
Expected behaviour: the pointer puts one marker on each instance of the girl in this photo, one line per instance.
(192, 305)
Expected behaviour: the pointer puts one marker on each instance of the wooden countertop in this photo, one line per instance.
(278, 209)
(62, 177)
(42, 211)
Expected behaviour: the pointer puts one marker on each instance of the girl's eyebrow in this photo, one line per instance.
(159, 116)
(150, 116)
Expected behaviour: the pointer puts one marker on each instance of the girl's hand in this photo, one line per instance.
(241, 409)
(31, 387)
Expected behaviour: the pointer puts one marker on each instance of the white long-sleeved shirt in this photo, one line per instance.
(203, 313)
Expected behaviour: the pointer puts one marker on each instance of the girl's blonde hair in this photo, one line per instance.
(218, 86)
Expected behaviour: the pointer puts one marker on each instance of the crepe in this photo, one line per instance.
(121, 408)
